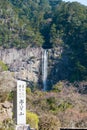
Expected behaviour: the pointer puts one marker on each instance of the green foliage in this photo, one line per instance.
(47, 23)
(3, 66)
(55, 107)
(10, 96)
(51, 101)
(58, 87)
(32, 119)
(25, 22)
(28, 90)
(64, 105)
(70, 20)
(18, 27)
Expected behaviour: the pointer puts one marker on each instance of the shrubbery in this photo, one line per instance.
(49, 122)
(64, 105)
(7, 124)
(32, 119)
(58, 87)
(10, 96)
(3, 96)
(28, 90)
(3, 66)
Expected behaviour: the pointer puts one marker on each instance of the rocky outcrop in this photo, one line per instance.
(5, 111)
(7, 82)
(59, 65)
(25, 63)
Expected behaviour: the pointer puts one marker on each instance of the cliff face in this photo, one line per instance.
(26, 63)
(59, 65)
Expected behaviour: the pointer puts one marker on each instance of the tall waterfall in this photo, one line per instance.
(44, 68)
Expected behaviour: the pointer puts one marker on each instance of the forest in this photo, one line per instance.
(47, 24)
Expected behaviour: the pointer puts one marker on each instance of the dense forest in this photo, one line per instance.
(28, 26)
(46, 23)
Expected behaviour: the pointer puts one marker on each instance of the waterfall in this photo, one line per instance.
(44, 68)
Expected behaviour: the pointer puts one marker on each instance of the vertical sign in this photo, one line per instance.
(21, 102)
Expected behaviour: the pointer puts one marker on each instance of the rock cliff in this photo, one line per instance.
(25, 63)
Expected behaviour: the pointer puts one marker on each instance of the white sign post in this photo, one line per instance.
(21, 102)
(21, 106)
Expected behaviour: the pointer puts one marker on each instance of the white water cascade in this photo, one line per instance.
(44, 68)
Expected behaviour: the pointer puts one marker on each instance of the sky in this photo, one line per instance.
(84, 2)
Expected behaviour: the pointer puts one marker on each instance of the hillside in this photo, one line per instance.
(47, 24)
(29, 29)
(64, 106)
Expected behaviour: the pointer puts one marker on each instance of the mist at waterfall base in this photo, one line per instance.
(44, 68)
